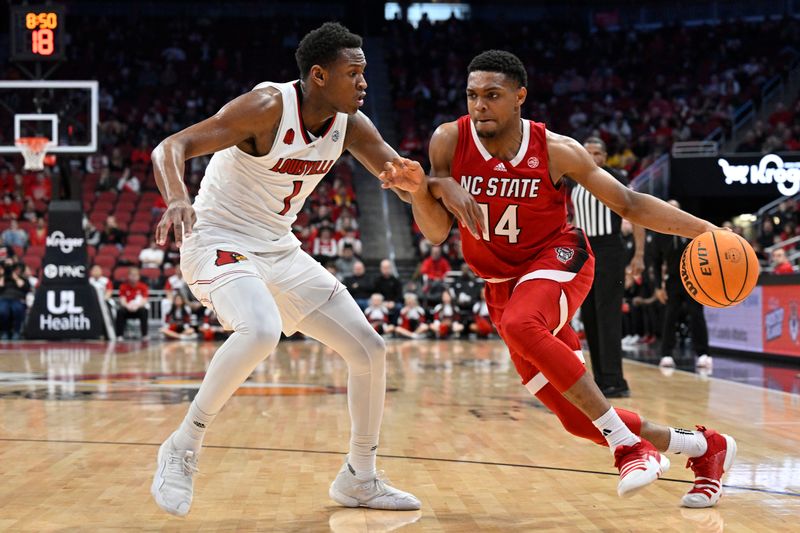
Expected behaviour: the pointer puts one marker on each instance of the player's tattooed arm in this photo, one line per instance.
(248, 122)
(567, 157)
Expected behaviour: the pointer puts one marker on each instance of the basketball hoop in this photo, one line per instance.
(34, 150)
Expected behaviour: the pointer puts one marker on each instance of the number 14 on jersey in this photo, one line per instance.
(506, 226)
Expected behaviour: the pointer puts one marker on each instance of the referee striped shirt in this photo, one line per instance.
(592, 215)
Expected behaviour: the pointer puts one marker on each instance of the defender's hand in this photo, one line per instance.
(403, 174)
(180, 217)
(461, 203)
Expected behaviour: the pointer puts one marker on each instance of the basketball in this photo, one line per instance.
(719, 268)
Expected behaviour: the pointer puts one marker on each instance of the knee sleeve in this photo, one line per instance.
(246, 306)
(341, 325)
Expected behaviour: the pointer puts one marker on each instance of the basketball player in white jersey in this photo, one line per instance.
(271, 147)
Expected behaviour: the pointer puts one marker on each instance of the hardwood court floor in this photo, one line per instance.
(80, 425)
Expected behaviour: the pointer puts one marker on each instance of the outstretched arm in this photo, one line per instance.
(407, 179)
(568, 157)
(450, 198)
(239, 120)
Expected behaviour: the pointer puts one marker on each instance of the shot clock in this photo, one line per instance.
(37, 32)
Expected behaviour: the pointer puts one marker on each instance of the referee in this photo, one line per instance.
(601, 311)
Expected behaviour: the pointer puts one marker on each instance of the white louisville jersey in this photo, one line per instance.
(253, 201)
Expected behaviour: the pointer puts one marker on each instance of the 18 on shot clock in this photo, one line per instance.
(37, 32)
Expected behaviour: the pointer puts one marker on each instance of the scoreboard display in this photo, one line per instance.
(37, 32)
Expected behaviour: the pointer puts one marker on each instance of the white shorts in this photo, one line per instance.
(299, 284)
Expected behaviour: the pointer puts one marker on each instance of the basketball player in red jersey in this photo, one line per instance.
(539, 269)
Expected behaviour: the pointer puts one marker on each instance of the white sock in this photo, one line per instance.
(686, 441)
(363, 451)
(614, 430)
(189, 435)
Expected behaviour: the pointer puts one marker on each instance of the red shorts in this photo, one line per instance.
(571, 266)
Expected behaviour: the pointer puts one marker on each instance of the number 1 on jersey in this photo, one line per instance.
(287, 202)
(507, 225)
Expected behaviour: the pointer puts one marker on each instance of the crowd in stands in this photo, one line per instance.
(780, 133)
(637, 90)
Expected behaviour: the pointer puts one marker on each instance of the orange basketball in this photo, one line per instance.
(719, 268)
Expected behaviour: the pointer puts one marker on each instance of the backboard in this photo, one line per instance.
(67, 112)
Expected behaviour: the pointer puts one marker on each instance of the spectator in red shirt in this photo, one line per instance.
(780, 262)
(38, 235)
(132, 303)
(141, 154)
(435, 267)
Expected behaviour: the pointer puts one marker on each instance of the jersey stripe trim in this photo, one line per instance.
(553, 275)
(478, 144)
(523, 146)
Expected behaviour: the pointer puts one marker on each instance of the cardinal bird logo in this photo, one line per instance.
(289, 137)
(226, 258)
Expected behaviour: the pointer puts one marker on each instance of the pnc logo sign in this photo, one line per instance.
(64, 271)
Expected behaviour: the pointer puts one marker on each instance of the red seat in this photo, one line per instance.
(138, 240)
(120, 274)
(124, 207)
(107, 262)
(109, 249)
(37, 251)
(103, 205)
(152, 274)
(140, 227)
(109, 196)
(35, 262)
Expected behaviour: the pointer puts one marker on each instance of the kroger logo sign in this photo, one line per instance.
(65, 244)
(771, 169)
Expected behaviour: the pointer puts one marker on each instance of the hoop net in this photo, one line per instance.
(33, 149)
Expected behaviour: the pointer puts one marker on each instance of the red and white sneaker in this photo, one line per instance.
(709, 468)
(639, 465)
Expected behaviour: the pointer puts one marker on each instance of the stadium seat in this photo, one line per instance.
(120, 274)
(140, 227)
(37, 251)
(109, 249)
(34, 262)
(106, 262)
(138, 240)
(153, 275)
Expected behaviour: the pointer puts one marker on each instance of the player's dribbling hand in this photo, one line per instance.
(180, 217)
(403, 174)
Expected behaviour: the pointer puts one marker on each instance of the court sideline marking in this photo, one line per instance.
(408, 457)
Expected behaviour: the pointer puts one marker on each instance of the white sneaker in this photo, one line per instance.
(173, 484)
(375, 493)
(667, 360)
(704, 361)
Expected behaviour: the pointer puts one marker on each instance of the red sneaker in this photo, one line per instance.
(639, 465)
(709, 468)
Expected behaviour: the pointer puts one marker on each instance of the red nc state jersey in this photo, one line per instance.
(523, 211)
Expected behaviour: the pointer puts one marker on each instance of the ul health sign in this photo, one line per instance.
(66, 306)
